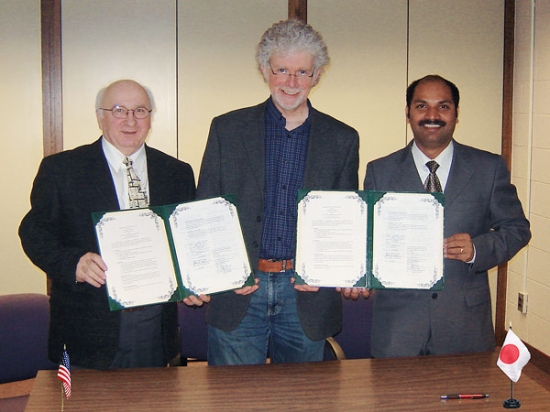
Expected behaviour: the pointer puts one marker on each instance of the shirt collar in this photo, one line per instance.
(276, 115)
(444, 159)
(115, 157)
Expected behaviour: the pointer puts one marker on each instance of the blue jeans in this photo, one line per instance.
(271, 323)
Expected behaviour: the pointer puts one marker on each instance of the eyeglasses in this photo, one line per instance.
(121, 112)
(300, 74)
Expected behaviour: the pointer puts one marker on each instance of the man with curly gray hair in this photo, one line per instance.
(263, 155)
(292, 35)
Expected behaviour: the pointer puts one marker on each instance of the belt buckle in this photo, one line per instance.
(283, 264)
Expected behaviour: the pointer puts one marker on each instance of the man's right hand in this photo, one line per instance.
(91, 269)
(196, 301)
(247, 290)
(354, 293)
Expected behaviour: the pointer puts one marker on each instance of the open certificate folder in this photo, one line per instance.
(166, 253)
(370, 239)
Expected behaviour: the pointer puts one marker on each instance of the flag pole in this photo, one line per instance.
(511, 403)
(62, 389)
(64, 375)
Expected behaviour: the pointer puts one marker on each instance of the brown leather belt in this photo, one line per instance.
(134, 309)
(272, 265)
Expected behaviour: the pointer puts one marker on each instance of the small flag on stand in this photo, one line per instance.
(64, 373)
(514, 355)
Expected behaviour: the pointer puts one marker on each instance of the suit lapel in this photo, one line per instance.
(409, 181)
(101, 181)
(318, 149)
(462, 170)
(252, 137)
(154, 175)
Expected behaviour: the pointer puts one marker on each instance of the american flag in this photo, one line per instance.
(64, 373)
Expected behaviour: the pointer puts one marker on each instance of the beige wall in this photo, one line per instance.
(106, 40)
(365, 84)
(375, 58)
(463, 41)
(21, 119)
(529, 271)
(217, 71)
(205, 67)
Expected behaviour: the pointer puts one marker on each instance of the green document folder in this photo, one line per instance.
(370, 239)
(167, 253)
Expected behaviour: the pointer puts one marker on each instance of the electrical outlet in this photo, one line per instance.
(522, 302)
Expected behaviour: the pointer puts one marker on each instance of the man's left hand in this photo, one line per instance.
(459, 247)
(247, 290)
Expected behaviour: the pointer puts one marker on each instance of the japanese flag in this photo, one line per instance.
(514, 355)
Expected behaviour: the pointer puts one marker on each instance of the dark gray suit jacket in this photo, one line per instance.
(58, 230)
(480, 201)
(234, 162)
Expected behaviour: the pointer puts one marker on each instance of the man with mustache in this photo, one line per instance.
(263, 155)
(484, 227)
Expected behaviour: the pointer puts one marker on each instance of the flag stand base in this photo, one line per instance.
(512, 404)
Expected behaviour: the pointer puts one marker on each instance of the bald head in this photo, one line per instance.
(126, 134)
(118, 84)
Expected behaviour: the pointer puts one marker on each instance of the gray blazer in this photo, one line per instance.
(234, 162)
(479, 200)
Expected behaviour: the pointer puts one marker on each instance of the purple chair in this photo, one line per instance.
(193, 333)
(24, 320)
(353, 341)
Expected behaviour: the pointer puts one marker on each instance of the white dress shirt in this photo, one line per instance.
(445, 160)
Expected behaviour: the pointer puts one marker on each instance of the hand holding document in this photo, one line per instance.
(135, 247)
(162, 254)
(370, 239)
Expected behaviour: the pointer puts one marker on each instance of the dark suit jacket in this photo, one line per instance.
(58, 230)
(480, 201)
(234, 162)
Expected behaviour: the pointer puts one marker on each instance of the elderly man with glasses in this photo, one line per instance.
(263, 155)
(118, 171)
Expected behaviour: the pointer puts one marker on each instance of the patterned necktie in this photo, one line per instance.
(432, 183)
(136, 194)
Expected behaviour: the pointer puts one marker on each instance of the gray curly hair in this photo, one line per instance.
(292, 35)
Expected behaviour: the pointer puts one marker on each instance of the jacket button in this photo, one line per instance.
(258, 219)
(434, 295)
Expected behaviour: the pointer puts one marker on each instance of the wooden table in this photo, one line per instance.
(406, 384)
